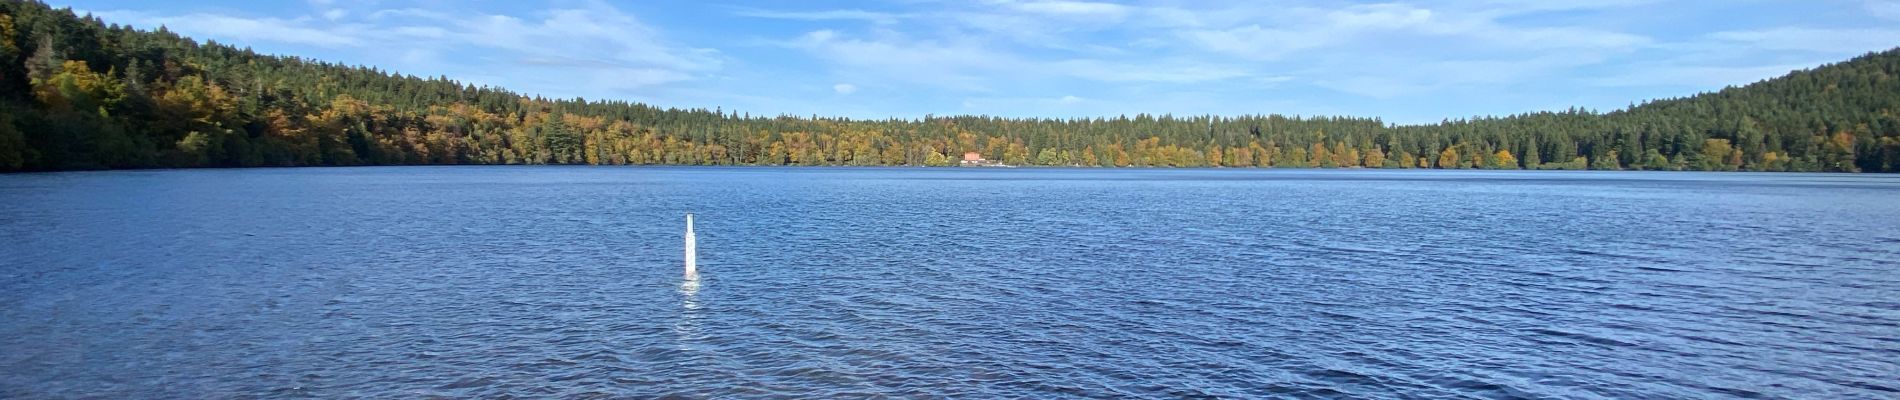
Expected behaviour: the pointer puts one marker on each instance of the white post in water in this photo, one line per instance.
(692, 252)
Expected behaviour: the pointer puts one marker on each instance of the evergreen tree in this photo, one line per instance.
(76, 93)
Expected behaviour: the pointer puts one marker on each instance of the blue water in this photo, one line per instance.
(974, 283)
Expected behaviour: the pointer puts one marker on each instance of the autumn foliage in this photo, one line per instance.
(76, 93)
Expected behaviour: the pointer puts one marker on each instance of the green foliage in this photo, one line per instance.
(1609, 161)
(1655, 161)
(1715, 154)
(76, 93)
(13, 149)
(197, 148)
(77, 88)
(936, 159)
(1047, 157)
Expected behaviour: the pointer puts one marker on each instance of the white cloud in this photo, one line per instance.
(971, 66)
(1078, 9)
(1375, 50)
(608, 51)
(1810, 39)
(961, 65)
(1256, 42)
(1393, 50)
(1699, 76)
(230, 29)
(594, 48)
(1165, 72)
(1884, 9)
(993, 105)
(1373, 28)
(820, 36)
(1375, 86)
(1072, 56)
(1517, 7)
(1390, 16)
(824, 15)
(389, 13)
(1376, 78)
(420, 32)
(1568, 38)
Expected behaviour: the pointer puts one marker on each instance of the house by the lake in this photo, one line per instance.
(975, 159)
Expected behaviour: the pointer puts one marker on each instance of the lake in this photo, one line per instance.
(972, 283)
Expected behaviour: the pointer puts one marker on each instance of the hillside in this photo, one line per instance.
(76, 93)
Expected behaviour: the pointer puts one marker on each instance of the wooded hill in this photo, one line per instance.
(76, 93)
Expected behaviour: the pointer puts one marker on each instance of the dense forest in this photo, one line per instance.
(77, 93)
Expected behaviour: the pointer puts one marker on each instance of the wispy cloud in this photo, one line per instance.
(1814, 39)
(1413, 58)
(1076, 9)
(1377, 27)
(1380, 51)
(597, 43)
(1884, 9)
(1161, 71)
(298, 30)
(954, 64)
(1704, 76)
(823, 15)
(981, 105)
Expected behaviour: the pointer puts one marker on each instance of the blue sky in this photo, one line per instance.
(1407, 62)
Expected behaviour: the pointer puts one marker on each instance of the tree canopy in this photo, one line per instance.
(77, 93)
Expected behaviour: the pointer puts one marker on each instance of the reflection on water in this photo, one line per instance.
(687, 330)
(689, 292)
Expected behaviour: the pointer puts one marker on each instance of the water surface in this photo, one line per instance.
(1040, 283)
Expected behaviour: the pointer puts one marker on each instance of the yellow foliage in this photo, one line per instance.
(1375, 158)
(77, 87)
(7, 47)
(1504, 159)
(1448, 159)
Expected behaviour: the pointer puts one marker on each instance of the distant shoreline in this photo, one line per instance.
(90, 95)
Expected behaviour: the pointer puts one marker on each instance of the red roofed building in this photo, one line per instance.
(975, 159)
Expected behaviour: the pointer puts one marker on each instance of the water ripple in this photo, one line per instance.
(563, 282)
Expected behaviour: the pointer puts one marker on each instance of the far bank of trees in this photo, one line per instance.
(76, 93)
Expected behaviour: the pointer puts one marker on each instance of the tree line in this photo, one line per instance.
(78, 93)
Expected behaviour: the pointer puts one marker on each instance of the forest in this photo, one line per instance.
(78, 93)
